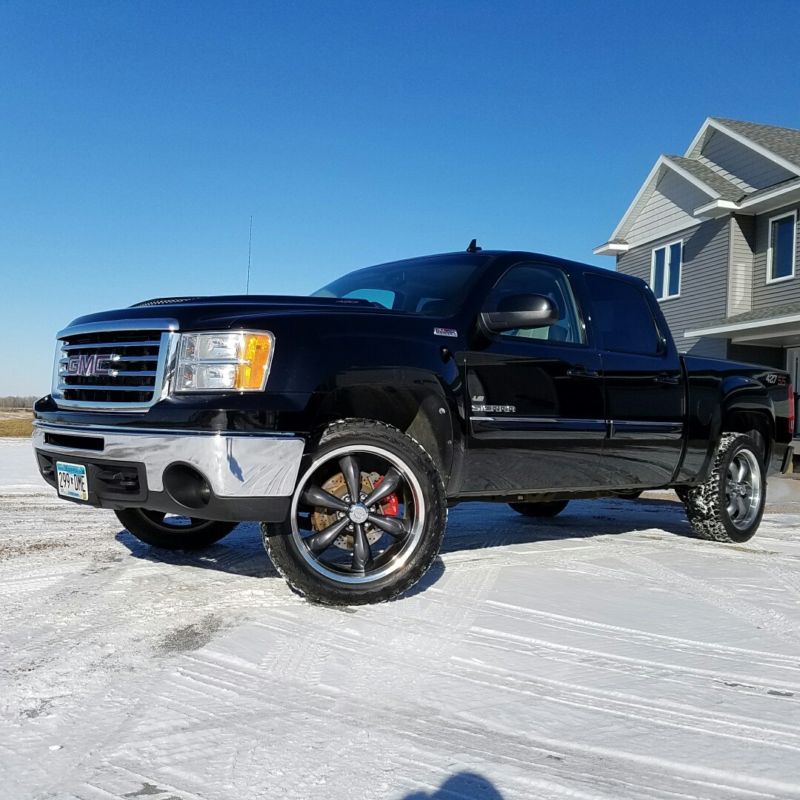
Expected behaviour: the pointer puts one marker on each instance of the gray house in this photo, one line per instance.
(714, 232)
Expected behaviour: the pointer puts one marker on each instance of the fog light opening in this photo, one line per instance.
(187, 486)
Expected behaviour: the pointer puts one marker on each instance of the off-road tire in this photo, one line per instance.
(549, 509)
(706, 505)
(283, 540)
(146, 526)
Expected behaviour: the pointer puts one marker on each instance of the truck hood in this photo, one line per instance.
(227, 311)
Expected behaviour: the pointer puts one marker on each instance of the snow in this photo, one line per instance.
(18, 470)
(604, 654)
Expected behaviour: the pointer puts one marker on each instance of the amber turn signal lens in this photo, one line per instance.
(251, 375)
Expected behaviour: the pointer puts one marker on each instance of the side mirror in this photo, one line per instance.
(521, 311)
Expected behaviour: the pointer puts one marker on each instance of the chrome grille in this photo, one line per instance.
(120, 370)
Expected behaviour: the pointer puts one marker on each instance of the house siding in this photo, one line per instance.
(766, 295)
(740, 283)
(704, 282)
(749, 166)
(669, 208)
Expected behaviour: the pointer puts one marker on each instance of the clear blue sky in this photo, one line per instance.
(136, 139)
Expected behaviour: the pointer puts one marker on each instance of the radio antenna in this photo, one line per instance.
(249, 254)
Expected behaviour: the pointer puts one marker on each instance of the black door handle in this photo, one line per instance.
(579, 371)
(671, 380)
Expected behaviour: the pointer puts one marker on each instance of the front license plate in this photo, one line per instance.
(71, 480)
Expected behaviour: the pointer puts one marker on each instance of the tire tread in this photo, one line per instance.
(702, 503)
(313, 589)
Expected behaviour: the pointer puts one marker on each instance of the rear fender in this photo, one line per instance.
(743, 406)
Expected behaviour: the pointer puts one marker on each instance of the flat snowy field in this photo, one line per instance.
(604, 654)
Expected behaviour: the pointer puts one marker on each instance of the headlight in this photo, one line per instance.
(226, 361)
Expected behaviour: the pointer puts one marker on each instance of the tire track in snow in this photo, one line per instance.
(598, 659)
(758, 617)
(414, 730)
(672, 643)
(684, 717)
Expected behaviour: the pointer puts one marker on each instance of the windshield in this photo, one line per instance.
(437, 285)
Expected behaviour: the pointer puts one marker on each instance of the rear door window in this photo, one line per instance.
(622, 316)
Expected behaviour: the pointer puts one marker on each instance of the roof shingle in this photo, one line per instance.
(722, 186)
(773, 312)
(784, 142)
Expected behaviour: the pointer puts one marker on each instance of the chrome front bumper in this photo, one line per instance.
(237, 466)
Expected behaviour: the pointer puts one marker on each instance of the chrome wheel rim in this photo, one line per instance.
(365, 542)
(743, 489)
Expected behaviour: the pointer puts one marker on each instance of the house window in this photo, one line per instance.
(665, 270)
(781, 251)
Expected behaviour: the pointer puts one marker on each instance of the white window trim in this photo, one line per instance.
(666, 248)
(770, 279)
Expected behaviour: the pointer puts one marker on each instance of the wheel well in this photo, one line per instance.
(754, 423)
(418, 414)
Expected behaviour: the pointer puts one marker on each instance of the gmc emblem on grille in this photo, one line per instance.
(85, 366)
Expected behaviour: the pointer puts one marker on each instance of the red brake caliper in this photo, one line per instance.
(391, 505)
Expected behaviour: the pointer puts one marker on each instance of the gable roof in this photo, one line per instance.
(713, 180)
(783, 142)
(727, 192)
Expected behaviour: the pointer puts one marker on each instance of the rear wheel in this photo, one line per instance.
(173, 532)
(367, 517)
(728, 507)
(550, 509)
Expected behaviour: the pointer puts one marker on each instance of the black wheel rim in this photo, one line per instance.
(369, 526)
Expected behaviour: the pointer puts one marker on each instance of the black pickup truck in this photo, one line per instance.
(348, 421)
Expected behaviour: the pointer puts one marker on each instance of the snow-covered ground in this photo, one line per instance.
(605, 654)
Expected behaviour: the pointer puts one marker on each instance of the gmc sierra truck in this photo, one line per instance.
(347, 422)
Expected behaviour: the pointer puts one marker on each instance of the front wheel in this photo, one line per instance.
(366, 520)
(728, 507)
(173, 532)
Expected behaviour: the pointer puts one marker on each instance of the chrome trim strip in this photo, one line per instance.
(98, 345)
(92, 429)
(644, 431)
(647, 425)
(136, 324)
(559, 422)
(543, 428)
(236, 466)
(101, 387)
(118, 359)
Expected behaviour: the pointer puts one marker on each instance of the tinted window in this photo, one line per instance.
(674, 285)
(550, 282)
(658, 271)
(436, 286)
(383, 297)
(622, 316)
(781, 237)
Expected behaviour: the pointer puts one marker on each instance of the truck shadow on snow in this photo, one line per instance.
(239, 553)
(471, 526)
(476, 525)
